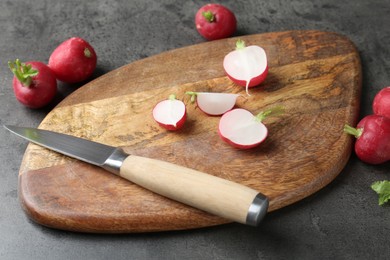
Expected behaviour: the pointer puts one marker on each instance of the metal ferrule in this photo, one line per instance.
(257, 210)
(114, 161)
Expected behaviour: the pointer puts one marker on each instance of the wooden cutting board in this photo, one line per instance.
(314, 75)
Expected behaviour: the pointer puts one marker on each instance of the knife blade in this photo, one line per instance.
(203, 191)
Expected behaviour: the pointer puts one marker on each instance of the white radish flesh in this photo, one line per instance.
(170, 113)
(241, 129)
(215, 103)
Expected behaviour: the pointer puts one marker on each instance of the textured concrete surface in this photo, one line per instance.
(342, 221)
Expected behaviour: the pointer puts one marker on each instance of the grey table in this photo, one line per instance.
(342, 221)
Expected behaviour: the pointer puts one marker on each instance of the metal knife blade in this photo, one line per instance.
(78, 148)
(197, 189)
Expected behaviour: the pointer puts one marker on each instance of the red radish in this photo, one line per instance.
(381, 104)
(241, 129)
(34, 83)
(373, 139)
(213, 104)
(246, 66)
(170, 114)
(215, 21)
(73, 61)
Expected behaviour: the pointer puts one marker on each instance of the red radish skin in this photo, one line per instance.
(213, 104)
(373, 139)
(381, 103)
(215, 21)
(246, 66)
(170, 114)
(38, 89)
(73, 61)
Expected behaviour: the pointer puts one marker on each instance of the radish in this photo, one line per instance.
(73, 61)
(213, 104)
(373, 139)
(34, 84)
(381, 104)
(241, 129)
(215, 21)
(170, 114)
(246, 66)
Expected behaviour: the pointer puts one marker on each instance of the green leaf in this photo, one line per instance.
(172, 97)
(240, 44)
(23, 72)
(275, 111)
(357, 132)
(382, 188)
(193, 95)
(209, 16)
(87, 53)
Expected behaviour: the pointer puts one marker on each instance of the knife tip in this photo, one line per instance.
(8, 127)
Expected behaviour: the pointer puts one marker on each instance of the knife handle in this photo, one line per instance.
(212, 194)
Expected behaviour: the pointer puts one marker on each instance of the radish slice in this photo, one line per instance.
(246, 66)
(214, 104)
(241, 129)
(170, 114)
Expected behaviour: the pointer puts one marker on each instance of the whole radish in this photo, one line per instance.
(170, 114)
(213, 104)
(246, 66)
(243, 130)
(34, 83)
(373, 139)
(73, 61)
(381, 104)
(215, 21)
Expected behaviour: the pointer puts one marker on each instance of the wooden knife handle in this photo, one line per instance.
(215, 195)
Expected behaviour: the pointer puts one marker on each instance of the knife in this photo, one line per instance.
(209, 193)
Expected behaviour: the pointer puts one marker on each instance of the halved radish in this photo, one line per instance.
(170, 114)
(214, 104)
(247, 66)
(241, 129)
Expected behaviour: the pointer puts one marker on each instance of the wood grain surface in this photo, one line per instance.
(314, 75)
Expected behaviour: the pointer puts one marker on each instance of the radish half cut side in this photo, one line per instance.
(215, 103)
(246, 66)
(240, 129)
(170, 114)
